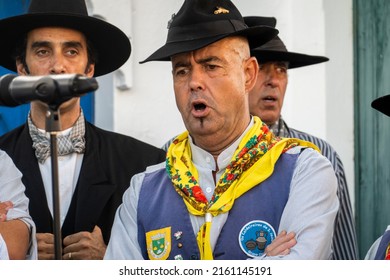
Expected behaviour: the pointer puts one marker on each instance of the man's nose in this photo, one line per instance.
(272, 77)
(58, 65)
(196, 79)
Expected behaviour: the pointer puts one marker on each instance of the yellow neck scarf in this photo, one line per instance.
(252, 163)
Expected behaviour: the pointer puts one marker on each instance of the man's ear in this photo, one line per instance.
(90, 71)
(251, 71)
(21, 68)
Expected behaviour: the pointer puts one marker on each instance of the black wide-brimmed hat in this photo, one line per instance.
(382, 104)
(275, 50)
(199, 23)
(112, 45)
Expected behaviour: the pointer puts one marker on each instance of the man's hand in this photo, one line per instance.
(4, 207)
(281, 245)
(84, 246)
(45, 246)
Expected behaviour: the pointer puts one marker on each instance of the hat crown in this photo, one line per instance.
(76, 7)
(201, 11)
(199, 23)
(276, 44)
(257, 20)
(199, 19)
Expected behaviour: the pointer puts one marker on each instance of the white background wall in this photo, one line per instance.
(319, 98)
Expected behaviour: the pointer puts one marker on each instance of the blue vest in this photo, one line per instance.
(160, 206)
(385, 242)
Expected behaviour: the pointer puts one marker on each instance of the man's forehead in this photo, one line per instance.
(48, 33)
(216, 51)
(196, 58)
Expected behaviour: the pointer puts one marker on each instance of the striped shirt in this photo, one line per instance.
(344, 237)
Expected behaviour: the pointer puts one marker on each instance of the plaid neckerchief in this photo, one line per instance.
(73, 142)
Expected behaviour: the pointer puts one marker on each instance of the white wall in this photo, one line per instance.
(319, 99)
(340, 83)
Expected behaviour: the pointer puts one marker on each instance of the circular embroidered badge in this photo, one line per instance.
(255, 236)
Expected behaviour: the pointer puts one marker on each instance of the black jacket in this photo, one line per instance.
(109, 162)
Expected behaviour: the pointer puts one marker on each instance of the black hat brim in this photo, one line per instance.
(295, 60)
(382, 104)
(257, 36)
(112, 45)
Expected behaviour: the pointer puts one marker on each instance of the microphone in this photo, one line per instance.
(51, 89)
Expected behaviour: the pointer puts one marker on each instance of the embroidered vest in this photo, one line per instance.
(385, 242)
(160, 207)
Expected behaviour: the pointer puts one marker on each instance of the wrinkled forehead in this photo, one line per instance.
(223, 50)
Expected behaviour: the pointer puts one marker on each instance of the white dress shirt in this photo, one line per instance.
(68, 173)
(12, 189)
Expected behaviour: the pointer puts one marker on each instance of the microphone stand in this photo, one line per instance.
(53, 126)
(54, 92)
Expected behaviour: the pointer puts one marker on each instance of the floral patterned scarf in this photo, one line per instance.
(252, 163)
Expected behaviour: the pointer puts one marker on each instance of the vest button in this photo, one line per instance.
(194, 257)
(179, 245)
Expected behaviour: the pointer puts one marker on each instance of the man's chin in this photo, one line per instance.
(201, 128)
(269, 119)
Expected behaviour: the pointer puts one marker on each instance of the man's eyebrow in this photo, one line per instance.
(39, 44)
(180, 64)
(73, 44)
(208, 59)
(199, 61)
(282, 63)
